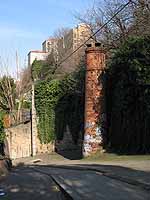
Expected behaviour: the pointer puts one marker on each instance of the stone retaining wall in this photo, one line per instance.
(18, 142)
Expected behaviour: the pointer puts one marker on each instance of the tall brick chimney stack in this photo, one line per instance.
(94, 98)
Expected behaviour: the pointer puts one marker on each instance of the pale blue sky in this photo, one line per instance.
(25, 24)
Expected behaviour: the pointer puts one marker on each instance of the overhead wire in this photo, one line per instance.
(120, 9)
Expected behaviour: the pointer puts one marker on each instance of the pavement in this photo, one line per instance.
(39, 177)
(127, 175)
(25, 184)
(134, 172)
(87, 185)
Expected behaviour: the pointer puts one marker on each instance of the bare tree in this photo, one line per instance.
(23, 88)
(132, 20)
(25, 80)
(141, 23)
(7, 88)
(7, 93)
(61, 32)
(64, 37)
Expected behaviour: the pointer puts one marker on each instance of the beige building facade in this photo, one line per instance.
(69, 43)
(36, 55)
(49, 45)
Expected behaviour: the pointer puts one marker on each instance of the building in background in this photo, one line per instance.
(36, 55)
(62, 47)
(80, 34)
(69, 43)
(49, 45)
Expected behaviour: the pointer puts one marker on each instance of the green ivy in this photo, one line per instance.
(46, 96)
(2, 132)
(60, 104)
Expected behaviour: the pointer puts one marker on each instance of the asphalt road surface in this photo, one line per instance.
(36, 182)
(23, 183)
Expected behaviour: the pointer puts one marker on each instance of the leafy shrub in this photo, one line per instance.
(128, 96)
(2, 132)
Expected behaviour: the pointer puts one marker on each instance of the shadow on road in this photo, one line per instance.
(85, 180)
(72, 154)
(25, 184)
(125, 174)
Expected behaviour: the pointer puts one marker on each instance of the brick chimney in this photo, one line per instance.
(94, 98)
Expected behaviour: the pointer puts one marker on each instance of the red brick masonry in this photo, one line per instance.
(95, 57)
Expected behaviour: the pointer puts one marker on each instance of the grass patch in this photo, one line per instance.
(115, 157)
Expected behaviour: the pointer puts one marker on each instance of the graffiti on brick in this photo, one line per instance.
(90, 141)
(89, 124)
(98, 131)
(87, 148)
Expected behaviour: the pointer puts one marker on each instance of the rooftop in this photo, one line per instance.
(37, 51)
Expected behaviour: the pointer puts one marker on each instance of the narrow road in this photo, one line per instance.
(23, 183)
(90, 185)
(45, 183)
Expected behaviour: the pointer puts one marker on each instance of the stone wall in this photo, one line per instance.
(67, 143)
(18, 142)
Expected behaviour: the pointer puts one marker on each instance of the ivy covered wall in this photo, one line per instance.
(60, 104)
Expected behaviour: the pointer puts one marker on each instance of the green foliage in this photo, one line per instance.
(2, 132)
(60, 104)
(26, 105)
(7, 93)
(46, 96)
(36, 69)
(43, 69)
(128, 98)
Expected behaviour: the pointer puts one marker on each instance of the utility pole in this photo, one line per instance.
(18, 89)
(17, 65)
(94, 99)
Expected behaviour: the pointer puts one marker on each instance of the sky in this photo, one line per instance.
(25, 24)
